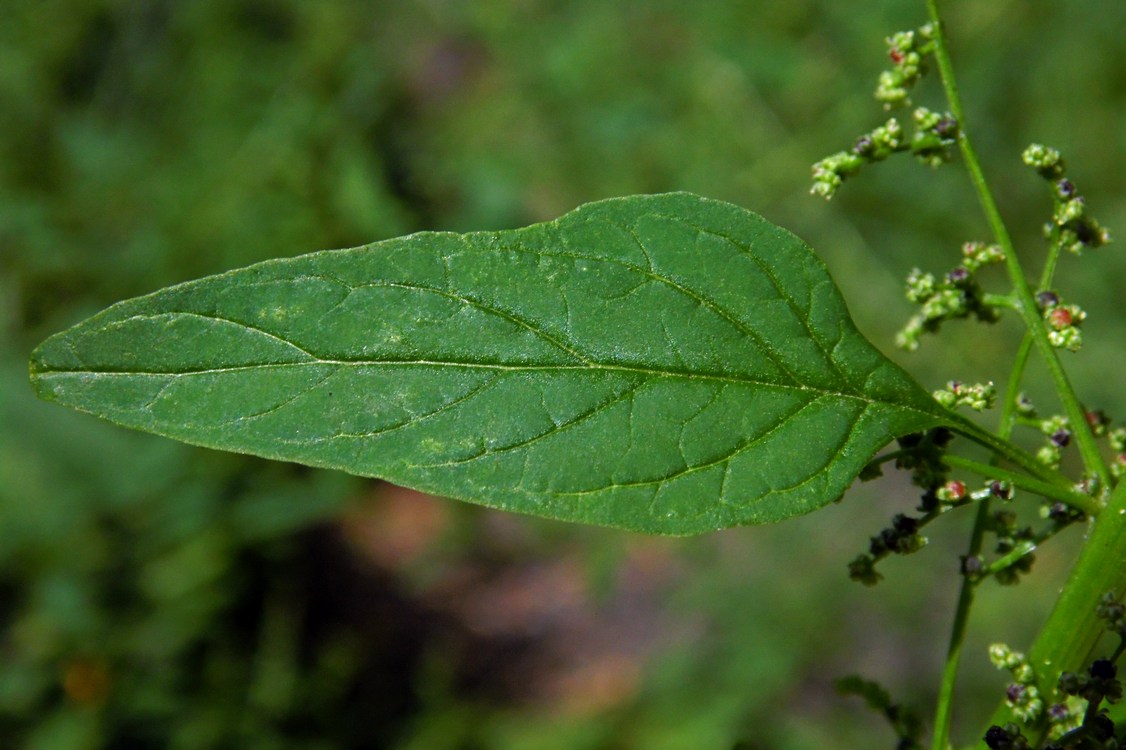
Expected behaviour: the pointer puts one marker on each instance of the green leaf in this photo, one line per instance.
(667, 364)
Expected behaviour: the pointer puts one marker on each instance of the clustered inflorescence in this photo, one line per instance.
(959, 294)
(1077, 720)
(1072, 711)
(934, 134)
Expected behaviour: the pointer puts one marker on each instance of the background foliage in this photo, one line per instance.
(153, 595)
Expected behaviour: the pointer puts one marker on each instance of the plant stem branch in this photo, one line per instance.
(944, 707)
(1026, 303)
(1005, 449)
(1068, 495)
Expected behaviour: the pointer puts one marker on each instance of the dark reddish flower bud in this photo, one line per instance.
(947, 127)
(1061, 438)
(1060, 318)
(955, 490)
(958, 275)
(896, 55)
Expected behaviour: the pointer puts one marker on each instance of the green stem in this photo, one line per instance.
(1027, 307)
(1000, 300)
(1009, 416)
(1037, 334)
(1026, 547)
(1054, 247)
(1068, 495)
(944, 707)
(1068, 637)
(1005, 449)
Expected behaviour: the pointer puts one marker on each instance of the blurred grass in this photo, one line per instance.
(153, 595)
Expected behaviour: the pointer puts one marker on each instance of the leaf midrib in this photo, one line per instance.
(506, 367)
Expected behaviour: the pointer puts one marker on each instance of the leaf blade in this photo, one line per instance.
(666, 363)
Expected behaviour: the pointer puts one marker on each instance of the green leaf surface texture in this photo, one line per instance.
(666, 364)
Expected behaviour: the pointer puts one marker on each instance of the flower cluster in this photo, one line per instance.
(956, 295)
(1022, 694)
(901, 538)
(1099, 682)
(935, 137)
(1058, 431)
(932, 143)
(831, 172)
(1063, 321)
(1008, 737)
(922, 453)
(1072, 225)
(935, 134)
(908, 51)
(1117, 439)
(979, 396)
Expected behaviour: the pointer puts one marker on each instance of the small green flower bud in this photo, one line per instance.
(1047, 161)
(977, 255)
(999, 655)
(830, 172)
(979, 396)
(890, 90)
(1068, 338)
(1049, 455)
(908, 338)
(920, 286)
(1024, 406)
(1117, 439)
(887, 138)
(946, 398)
(1069, 211)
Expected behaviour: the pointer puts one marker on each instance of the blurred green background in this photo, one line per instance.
(158, 596)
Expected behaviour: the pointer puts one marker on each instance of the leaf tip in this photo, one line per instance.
(37, 370)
